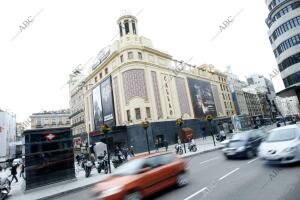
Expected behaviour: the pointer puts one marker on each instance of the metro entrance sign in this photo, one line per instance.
(50, 136)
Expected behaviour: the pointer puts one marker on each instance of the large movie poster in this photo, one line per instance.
(98, 117)
(107, 102)
(202, 98)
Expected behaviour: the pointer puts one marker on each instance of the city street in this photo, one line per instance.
(213, 177)
(143, 99)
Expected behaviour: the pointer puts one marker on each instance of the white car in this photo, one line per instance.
(282, 145)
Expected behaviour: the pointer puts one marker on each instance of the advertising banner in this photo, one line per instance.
(97, 105)
(107, 102)
(202, 98)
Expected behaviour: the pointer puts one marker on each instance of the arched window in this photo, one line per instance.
(126, 27)
(120, 27)
(133, 27)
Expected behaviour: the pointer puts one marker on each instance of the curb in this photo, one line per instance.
(90, 184)
(202, 152)
(69, 191)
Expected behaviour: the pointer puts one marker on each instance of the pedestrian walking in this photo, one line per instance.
(125, 152)
(203, 133)
(78, 158)
(178, 140)
(22, 171)
(14, 173)
(156, 145)
(166, 144)
(131, 151)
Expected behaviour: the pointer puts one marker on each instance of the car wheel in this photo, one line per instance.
(249, 154)
(182, 179)
(133, 196)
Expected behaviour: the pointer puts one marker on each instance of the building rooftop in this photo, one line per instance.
(64, 111)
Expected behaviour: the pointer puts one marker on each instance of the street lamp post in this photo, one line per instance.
(209, 118)
(145, 124)
(106, 129)
(179, 123)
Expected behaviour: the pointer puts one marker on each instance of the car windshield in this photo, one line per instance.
(240, 136)
(281, 135)
(129, 168)
(236, 143)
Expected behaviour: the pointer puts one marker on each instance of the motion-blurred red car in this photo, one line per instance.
(143, 176)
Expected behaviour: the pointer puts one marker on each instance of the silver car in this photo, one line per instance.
(282, 145)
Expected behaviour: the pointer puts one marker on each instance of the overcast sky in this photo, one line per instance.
(35, 62)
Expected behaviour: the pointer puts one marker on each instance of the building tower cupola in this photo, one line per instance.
(127, 24)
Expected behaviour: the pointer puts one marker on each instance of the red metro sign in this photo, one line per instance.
(49, 136)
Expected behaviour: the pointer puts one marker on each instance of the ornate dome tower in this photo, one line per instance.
(127, 24)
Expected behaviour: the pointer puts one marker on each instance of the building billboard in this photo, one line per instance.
(202, 98)
(97, 105)
(107, 102)
(102, 55)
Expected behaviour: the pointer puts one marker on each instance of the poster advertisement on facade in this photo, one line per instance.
(107, 102)
(202, 98)
(97, 104)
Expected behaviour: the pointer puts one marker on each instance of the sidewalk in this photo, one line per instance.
(81, 181)
(45, 192)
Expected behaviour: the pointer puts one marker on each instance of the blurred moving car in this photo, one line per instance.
(282, 145)
(244, 144)
(142, 176)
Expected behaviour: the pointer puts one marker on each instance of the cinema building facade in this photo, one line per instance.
(132, 81)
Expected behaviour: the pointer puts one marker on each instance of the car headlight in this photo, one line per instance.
(111, 191)
(242, 148)
(289, 149)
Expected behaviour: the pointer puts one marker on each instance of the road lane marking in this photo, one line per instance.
(228, 174)
(215, 158)
(189, 197)
(252, 160)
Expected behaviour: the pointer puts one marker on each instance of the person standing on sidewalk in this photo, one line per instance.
(14, 173)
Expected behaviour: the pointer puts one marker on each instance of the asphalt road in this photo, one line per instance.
(215, 178)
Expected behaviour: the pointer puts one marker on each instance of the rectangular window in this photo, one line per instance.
(106, 71)
(148, 112)
(96, 79)
(140, 55)
(130, 55)
(121, 58)
(128, 115)
(137, 113)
